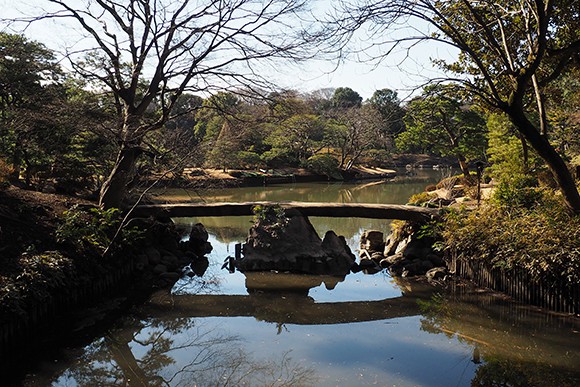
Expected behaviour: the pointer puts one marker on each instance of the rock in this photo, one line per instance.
(394, 259)
(366, 263)
(355, 268)
(372, 240)
(141, 261)
(198, 240)
(396, 270)
(377, 256)
(204, 248)
(402, 245)
(417, 248)
(412, 269)
(198, 233)
(339, 257)
(436, 260)
(391, 245)
(425, 266)
(159, 269)
(372, 270)
(170, 261)
(153, 255)
(199, 266)
(170, 243)
(170, 275)
(292, 244)
(436, 273)
(384, 263)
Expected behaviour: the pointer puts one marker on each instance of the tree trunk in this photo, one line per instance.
(463, 165)
(114, 190)
(125, 359)
(547, 152)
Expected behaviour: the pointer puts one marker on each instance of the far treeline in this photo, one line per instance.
(156, 92)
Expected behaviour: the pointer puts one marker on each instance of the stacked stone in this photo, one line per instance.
(404, 255)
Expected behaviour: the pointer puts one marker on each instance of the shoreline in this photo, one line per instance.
(207, 178)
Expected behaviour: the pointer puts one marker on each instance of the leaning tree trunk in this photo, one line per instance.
(547, 152)
(463, 165)
(114, 189)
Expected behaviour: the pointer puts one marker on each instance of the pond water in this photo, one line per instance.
(276, 329)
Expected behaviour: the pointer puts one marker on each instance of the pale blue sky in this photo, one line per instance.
(396, 72)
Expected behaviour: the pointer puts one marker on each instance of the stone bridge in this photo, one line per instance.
(332, 210)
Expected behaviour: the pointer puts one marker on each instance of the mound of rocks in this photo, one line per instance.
(164, 257)
(289, 243)
(404, 254)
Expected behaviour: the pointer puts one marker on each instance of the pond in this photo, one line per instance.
(276, 329)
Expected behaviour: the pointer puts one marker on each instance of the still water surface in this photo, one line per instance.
(268, 329)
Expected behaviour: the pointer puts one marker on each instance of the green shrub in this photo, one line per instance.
(249, 159)
(518, 191)
(324, 164)
(421, 199)
(94, 229)
(279, 157)
(544, 240)
(269, 215)
(377, 157)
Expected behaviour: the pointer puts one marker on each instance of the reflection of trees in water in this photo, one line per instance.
(499, 332)
(210, 283)
(502, 372)
(234, 229)
(179, 352)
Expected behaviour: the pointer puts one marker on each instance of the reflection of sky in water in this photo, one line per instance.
(381, 352)
(405, 351)
(355, 287)
(393, 352)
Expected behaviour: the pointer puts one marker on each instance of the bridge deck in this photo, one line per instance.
(333, 210)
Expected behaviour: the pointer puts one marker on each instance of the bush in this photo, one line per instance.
(278, 157)
(518, 191)
(377, 157)
(324, 165)
(249, 159)
(5, 172)
(94, 229)
(544, 240)
(421, 199)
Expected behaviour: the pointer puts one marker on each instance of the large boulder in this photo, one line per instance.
(372, 240)
(408, 253)
(290, 243)
(198, 240)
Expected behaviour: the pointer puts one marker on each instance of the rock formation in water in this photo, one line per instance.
(287, 241)
(405, 253)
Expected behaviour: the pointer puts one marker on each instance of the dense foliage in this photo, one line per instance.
(527, 228)
(58, 132)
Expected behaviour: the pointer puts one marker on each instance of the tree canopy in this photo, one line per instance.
(148, 53)
(509, 53)
(439, 123)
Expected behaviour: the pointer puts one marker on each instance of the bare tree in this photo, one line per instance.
(356, 130)
(509, 53)
(147, 53)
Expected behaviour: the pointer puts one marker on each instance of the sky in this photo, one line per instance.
(398, 72)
